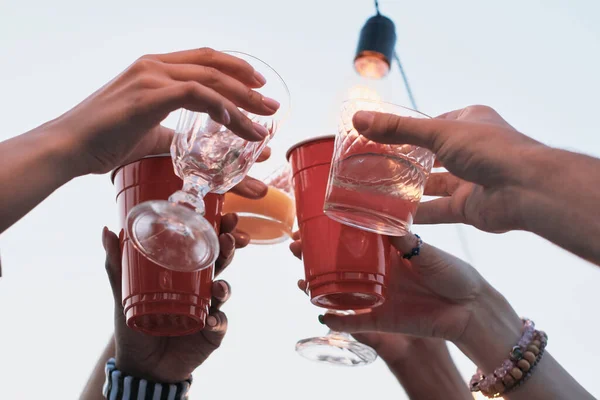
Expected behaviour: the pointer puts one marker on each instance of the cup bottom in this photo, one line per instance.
(262, 229)
(167, 319)
(367, 220)
(347, 295)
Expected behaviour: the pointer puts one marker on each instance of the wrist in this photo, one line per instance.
(56, 146)
(433, 349)
(492, 331)
(165, 373)
(427, 371)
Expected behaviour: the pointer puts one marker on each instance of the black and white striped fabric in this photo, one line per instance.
(123, 387)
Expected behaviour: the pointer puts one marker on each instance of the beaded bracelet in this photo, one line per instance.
(517, 369)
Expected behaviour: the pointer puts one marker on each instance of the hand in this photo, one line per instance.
(403, 352)
(436, 295)
(121, 121)
(173, 359)
(430, 296)
(483, 154)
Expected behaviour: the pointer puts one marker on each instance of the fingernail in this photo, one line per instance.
(230, 239)
(236, 219)
(260, 78)
(104, 232)
(225, 117)
(224, 288)
(271, 104)
(322, 319)
(261, 130)
(362, 120)
(256, 187)
(211, 321)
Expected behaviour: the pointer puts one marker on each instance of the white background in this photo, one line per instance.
(535, 61)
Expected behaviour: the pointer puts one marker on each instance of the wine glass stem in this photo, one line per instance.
(338, 335)
(192, 194)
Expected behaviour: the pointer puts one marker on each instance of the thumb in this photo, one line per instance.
(393, 129)
(110, 241)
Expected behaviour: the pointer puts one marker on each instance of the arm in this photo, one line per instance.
(560, 200)
(93, 387)
(492, 331)
(120, 123)
(428, 372)
(32, 166)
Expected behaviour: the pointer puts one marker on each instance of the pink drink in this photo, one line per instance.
(379, 190)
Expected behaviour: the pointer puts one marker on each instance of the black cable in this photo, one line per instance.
(461, 236)
(377, 7)
(406, 84)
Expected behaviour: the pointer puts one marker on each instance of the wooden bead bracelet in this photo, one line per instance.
(517, 369)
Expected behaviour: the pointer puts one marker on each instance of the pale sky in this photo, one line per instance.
(535, 61)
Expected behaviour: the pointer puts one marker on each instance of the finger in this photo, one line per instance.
(303, 286)
(216, 323)
(393, 129)
(438, 211)
(226, 251)
(242, 239)
(231, 88)
(196, 97)
(429, 257)
(350, 323)
(250, 188)
(227, 63)
(221, 292)
(229, 222)
(264, 155)
(296, 249)
(441, 184)
(296, 235)
(110, 241)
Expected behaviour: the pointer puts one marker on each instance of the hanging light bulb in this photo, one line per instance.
(375, 47)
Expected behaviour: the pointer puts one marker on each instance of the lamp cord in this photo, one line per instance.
(377, 7)
(461, 235)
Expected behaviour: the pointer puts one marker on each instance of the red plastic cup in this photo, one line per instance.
(345, 268)
(158, 301)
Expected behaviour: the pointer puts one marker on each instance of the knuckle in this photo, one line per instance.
(190, 88)
(146, 81)
(479, 109)
(211, 75)
(254, 97)
(144, 64)
(207, 53)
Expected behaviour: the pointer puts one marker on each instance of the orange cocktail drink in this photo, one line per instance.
(269, 220)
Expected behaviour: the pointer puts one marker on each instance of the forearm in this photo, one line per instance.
(493, 329)
(32, 166)
(93, 388)
(561, 194)
(430, 373)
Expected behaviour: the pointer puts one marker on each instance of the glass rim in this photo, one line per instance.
(305, 141)
(364, 100)
(287, 111)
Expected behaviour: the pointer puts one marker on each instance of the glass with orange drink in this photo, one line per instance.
(269, 220)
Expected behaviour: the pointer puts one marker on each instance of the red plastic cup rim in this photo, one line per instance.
(114, 171)
(306, 141)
